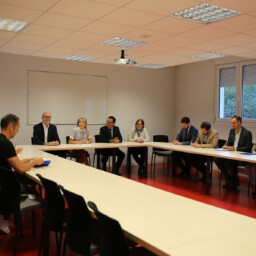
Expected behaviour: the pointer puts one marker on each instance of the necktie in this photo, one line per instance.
(186, 134)
(110, 133)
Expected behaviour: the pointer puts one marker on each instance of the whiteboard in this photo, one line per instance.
(67, 97)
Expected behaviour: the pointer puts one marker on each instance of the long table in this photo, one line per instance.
(209, 152)
(165, 223)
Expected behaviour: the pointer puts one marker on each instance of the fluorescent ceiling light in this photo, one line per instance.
(12, 25)
(209, 55)
(205, 13)
(155, 66)
(122, 42)
(78, 58)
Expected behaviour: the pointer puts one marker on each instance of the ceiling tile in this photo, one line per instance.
(82, 8)
(145, 35)
(6, 35)
(243, 6)
(240, 23)
(154, 48)
(15, 50)
(57, 50)
(236, 40)
(173, 25)
(18, 13)
(76, 45)
(207, 33)
(62, 21)
(234, 50)
(89, 53)
(178, 41)
(87, 37)
(208, 46)
(163, 7)
(113, 2)
(130, 17)
(23, 45)
(31, 4)
(33, 39)
(105, 28)
(2, 42)
(46, 31)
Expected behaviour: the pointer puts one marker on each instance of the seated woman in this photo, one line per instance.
(250, 170)
(139, 134)
(81, 135)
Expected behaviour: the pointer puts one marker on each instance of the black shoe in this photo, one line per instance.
(227, 185)
(181, 174)
(140, 172)
(203, 179)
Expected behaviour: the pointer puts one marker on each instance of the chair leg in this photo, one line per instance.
(60, 243)
(89, 161)
(41, 239)
(154, 162)
(151, 160)
(64, 247)
(220, 179)
(249, 186)
(33, 223)
(19, 220)
(16, 234)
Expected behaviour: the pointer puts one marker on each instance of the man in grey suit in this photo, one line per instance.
(239, 139)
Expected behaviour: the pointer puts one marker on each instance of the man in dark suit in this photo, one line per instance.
(111, 134)
(188, 134)
(46, 134)
(239, 139)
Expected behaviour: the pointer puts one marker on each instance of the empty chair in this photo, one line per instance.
(12, 202)
(54, 217)
(79, 225)
(113, 240)
(158, 151)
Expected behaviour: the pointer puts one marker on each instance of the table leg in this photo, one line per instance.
(128, 164)
(207, 184)
(146, 162)
(98, 159)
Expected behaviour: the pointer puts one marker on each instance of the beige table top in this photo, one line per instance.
(163, 222)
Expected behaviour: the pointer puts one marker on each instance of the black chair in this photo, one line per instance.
(73, 153)
(54, 218)
(12, 202)
(113, 240)
(79, 225)
(160, 152)
(97, 151)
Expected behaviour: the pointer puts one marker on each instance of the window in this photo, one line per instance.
(236, 90)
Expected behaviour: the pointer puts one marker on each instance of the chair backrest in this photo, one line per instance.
(67, 139)
(78, 234)
(221, 143)
(113, 241)
(9, 192)
(54, 205)
(97, 138)
(160, 138)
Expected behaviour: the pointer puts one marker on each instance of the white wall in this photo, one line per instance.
(132, 93)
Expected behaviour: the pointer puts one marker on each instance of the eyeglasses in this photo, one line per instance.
(139, 124)
(47, 117)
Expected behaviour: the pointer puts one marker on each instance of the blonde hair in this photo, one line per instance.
(81, 118)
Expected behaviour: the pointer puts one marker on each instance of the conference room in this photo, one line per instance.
(179, 83)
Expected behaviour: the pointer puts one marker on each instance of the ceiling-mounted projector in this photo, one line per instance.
(123, 60)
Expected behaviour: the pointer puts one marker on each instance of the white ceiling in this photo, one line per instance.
(61, 27)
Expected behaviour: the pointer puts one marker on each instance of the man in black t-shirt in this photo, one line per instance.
(8, 158)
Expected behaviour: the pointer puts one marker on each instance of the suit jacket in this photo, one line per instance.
(212, 139)
(38, 134)
(245, 140)
(191, 136)
(105, 134)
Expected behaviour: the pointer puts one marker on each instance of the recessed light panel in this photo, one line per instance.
(205, 13)
(155, 66)
(122, 42)
(12, 25)
(78, 58)
(209, 55)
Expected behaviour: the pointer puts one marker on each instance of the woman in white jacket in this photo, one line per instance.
(139, 134)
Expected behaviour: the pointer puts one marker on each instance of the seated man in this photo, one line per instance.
(46, 134)
(186, 136)
(8, 159)
(239, 139)
(207, 138)
(111, 134)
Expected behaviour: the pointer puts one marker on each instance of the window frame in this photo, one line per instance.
(239, 91)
